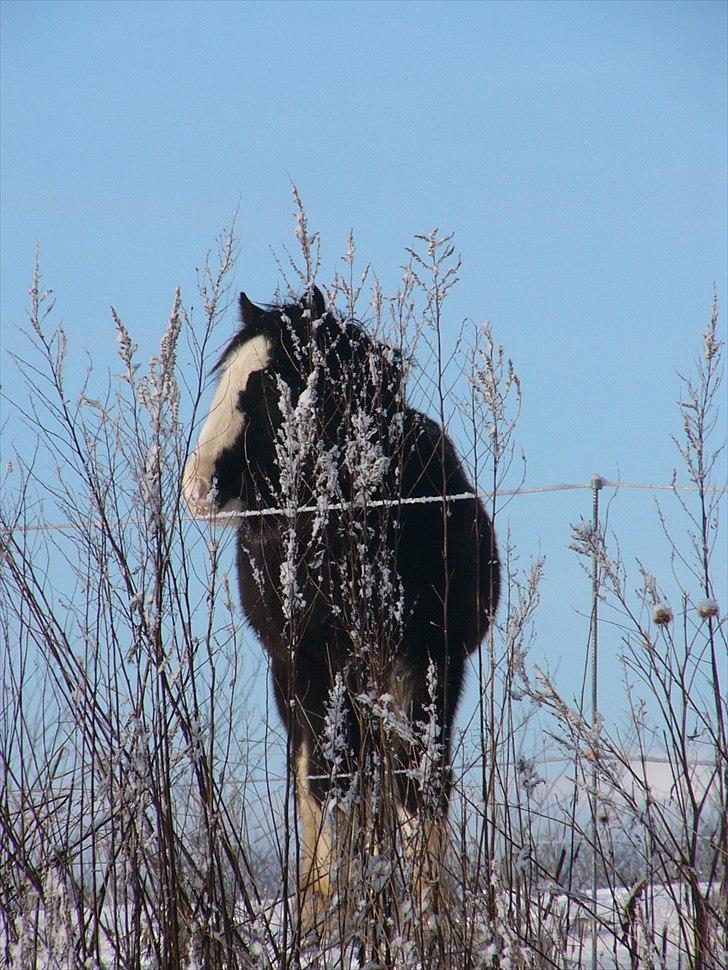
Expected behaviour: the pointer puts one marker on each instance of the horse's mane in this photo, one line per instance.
(343, 337)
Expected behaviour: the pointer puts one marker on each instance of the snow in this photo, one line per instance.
(641, 924)
(654, 917)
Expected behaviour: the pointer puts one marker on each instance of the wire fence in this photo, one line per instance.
(293, 510)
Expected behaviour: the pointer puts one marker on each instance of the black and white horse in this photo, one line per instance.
(363, 592)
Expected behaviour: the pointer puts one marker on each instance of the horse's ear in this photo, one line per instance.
(313, 300)
(249, 312)
(319, 304)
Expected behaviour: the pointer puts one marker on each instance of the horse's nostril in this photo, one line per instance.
(197, 496)
(200, 490)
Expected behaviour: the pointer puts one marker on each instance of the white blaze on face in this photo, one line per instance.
(224, 423)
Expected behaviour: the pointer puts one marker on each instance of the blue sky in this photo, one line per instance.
(577, 150)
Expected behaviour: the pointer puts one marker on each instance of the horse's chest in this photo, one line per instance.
(277, 596)
(259, 559)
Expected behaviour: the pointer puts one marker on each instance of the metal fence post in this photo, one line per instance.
(596, 483)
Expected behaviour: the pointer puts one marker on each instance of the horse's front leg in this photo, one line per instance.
(422, 808)
(425, 839)
(316, 849)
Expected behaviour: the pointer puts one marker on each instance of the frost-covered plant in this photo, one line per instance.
(115, 735)
(677, 845)
(141, 819)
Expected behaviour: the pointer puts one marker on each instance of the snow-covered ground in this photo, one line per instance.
(640, 930)
(635, 930)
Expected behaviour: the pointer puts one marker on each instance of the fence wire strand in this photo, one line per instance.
(222, 518)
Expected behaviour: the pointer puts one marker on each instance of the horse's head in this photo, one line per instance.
(294, 345)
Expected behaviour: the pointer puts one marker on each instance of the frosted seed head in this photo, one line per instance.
(661, 614)
(707, 608)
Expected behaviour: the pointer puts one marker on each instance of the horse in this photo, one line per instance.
(361, 575)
